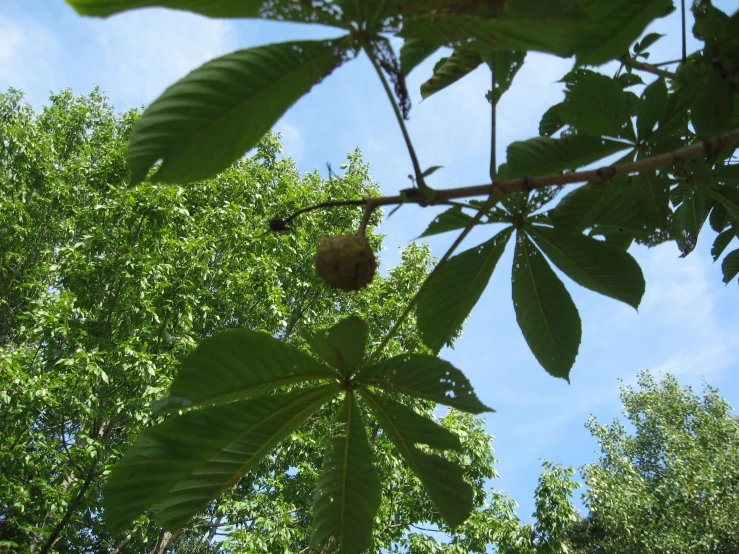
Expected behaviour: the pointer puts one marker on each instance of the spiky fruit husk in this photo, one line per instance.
(346, 262)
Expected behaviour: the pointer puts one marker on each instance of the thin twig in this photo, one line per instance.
(493, 162)
(682, 9)
(649, 68)
(399, 117)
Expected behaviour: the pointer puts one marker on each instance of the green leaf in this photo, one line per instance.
(410, 426)
(730, 266)
(413, 52)
(431, 170)
(176, 468)
(613, 26)
(239, 363)
(689, 219)
(611, 204)
(453, 218)
(713, 106)
(652, 191)
(722, 241)
(551, 122)
(342, 346)
(646, 42)
(349, 491)
(209, 8)
(442, 479)
(427, 377)
(504, 64)
(727, 196)
(451, 69)
(552, 34)
(544, 310)
(651, 108)
(214, 115)
(592, 263)
(451, 293)
(542, 155)
(595, 104)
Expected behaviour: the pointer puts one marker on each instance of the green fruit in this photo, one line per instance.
(346, 262)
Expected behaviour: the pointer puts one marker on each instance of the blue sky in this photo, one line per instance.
(687, 322)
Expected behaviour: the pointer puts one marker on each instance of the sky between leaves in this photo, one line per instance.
(687, 323)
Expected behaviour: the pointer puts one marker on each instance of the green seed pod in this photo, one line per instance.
(346, 262)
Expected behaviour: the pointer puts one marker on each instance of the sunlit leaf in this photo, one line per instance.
(239, 363)
(545, 312)
(176, 468)
(442, 479)
(342, 346)
(214, 115)
(348, 491)
(542, 155)
(592, 263)
(426, 377)
(451, 293)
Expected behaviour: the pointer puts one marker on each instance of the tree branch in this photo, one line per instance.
(606, 173)
(649, 68)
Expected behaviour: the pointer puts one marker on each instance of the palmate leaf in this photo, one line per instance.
(237, 364)
(595, 104)
(442, 479)
(211, 117)
(544, 310)
(426, 377)
(543, 155)
(551, 122)
(349, 491)
(592, 263)
(689, 219)
(730, 266)
(176, 468)
(449, 296)
(727, 196)
(342, 346)
(414, 51)
(652, 192)
(651, 108)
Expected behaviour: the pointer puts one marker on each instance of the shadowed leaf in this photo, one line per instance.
(544, 310)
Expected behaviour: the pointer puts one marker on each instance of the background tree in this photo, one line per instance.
(671, 484)
(106, 286)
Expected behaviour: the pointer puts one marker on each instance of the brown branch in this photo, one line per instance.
(649, 68)
(702, 148)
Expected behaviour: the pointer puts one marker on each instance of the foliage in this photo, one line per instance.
(671, 484)
(659, 190)
(107, 287)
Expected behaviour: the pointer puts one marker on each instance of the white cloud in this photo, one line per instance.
(143, 52)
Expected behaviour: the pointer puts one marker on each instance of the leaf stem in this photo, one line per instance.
(493, 163)
(649, 68)
(393, 331)
(411, 151)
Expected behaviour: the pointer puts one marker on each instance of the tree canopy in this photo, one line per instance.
(144, 254)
